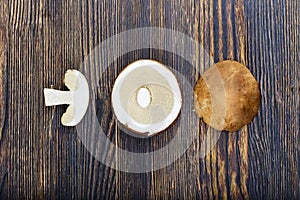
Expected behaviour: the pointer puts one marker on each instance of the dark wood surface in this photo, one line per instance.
(40, 158)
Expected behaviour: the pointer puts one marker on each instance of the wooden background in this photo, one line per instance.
(39, 158)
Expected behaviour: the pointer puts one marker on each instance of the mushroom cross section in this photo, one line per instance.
(146, 97)
(77, 98)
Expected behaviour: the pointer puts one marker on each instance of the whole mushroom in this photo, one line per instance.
(227, 96)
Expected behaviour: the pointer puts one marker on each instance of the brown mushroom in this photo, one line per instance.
(227, 96)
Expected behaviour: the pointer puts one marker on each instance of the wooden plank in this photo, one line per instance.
(273, 55)
(39, 158)
(47, 160)
(3, 109)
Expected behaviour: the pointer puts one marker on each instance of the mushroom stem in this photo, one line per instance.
(57, 97)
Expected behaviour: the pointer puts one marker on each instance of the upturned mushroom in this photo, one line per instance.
(146, 97)
(77, 98)
(227, 96)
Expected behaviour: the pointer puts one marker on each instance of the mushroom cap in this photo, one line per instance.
(78, 85)
(164, 103)
(227, 96)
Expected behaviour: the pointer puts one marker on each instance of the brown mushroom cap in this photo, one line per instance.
(227, 96)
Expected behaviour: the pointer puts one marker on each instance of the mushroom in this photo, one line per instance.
(146, 97)
(77, 98)
(229, 103)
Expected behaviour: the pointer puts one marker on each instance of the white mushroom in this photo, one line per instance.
(77, 98)
(146, 97)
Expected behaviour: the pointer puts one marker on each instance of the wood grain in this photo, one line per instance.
(39, 158)
(3, 104)
(2, 79)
